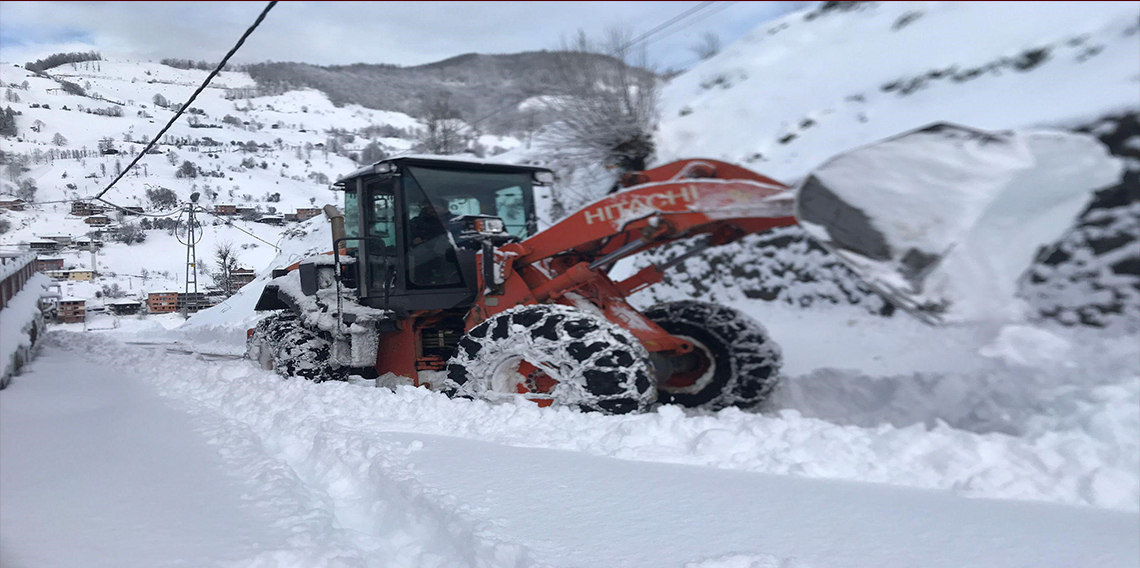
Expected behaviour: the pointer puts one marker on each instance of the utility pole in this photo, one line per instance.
(191, 284)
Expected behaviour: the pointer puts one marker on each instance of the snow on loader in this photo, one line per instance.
(438, 274)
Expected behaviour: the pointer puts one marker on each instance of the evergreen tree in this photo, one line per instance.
(8, 122)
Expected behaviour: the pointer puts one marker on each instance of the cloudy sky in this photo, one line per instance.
(405, 33)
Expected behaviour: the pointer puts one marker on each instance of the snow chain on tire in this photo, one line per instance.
(746, 362)
(295, 350)
(599, 366)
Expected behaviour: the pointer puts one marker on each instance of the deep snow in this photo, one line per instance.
(339, 475)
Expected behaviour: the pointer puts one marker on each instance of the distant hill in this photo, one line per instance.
(477, 83)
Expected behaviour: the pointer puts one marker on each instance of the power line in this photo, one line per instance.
(186, 105)
(229, 223)
(656, 29)
(668, 23)
(703, 17)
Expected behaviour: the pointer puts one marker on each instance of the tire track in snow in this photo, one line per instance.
(351, 499)
(1059, 467)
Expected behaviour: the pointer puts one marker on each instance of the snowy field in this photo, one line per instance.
(891, 444)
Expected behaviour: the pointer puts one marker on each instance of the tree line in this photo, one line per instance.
(57, 59)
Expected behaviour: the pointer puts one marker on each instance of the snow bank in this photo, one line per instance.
(1028, 346)
(225, 324)
(17, 318)
(1082, 452)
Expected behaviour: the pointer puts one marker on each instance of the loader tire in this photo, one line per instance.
(282, 343)
(575, 359)
(745, 362)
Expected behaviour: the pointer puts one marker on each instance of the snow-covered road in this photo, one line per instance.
(130, 455)
(97, 470)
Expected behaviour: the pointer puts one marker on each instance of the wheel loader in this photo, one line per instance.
(438, 275)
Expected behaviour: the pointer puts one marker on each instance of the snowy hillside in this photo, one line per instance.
(272, 154)
(820, 81)
(798, 90)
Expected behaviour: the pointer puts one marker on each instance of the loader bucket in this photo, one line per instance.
(945, 219)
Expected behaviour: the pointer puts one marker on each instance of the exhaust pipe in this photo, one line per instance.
(336, 218)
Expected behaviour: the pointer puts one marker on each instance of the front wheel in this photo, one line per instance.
(554, 355)
(740, 362)
(282, 343)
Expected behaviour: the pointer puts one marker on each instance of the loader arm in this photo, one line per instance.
(568, 263)
(682, 199)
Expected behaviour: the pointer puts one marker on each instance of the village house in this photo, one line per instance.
(61, 240)
(45, 263)
(76, 275)
(124, 306)
(132, 210)
(242, 210)
(13, 204)
(43, 245)
(162, 302)
(85, 209)
(272, 219)
(192, 301)
(88, 243)
(240, 277)
(225, 209)
(72, 310)
(98, 220)
(306, 213)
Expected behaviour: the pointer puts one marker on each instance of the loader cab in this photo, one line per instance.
(403, 217)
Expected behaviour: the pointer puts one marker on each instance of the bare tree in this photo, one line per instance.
(443, 126)
(608, 111)
(708, 46)
(225, 258)
(601, 124)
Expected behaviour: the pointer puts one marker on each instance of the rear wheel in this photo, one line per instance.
(282, 343)
(553, 354)
(740, 362)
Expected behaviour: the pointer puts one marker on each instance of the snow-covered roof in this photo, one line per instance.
(73, 299)
(460, 159)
